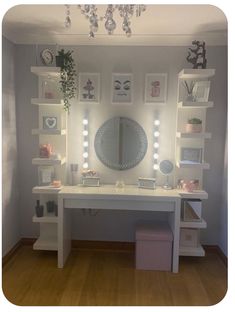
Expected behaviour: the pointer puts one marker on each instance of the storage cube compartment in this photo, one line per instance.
(189, 237)
(191, 210)
(154, 247)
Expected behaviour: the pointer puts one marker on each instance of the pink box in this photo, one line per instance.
(153, 247)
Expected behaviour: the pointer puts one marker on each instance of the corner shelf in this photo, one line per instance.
(44, 101)
(188, 73)
(192, 251)
(46, 71)
(46, 243)
(48, 161)
(193, 224)
(185, 104)
(48, 132)
(46, 219)
(196, 135)
(193, 166)
(46, 190)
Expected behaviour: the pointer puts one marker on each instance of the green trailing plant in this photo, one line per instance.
(195, 121)
(67, 77)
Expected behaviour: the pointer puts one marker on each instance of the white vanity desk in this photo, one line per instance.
(112, 198)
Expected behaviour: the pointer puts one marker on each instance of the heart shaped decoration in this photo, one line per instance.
(51, 122)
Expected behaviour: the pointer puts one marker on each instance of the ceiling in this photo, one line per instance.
(158, 25)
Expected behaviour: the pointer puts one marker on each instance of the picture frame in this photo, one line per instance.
(46, 175)
(147, 183)
(155, 88)
(91, 181)
(89, 87)
(201, 91)
(191, 155)
(122, 88)
(50, 122)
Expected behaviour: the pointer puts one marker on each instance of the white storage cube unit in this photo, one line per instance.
(192, 210)
(189, 237)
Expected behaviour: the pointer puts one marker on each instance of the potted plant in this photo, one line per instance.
(65, 61)
(194, 125)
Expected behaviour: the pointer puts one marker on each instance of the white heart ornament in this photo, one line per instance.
(50, 122)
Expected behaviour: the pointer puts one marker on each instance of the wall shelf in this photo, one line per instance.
(188, 73)
(192, 251)
(193, 166)
(46, 71)
(48, 132)
(46, 190)
(199, 135)
(43, 101)
(46, 243)
(48, 161)
(46, 219)
(185, 104)
(193, 224)
(197, 194)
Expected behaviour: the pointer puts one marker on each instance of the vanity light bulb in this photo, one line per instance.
(85, 165)
(85, 121)
(156, 133)
(156, 144)
(155, 156)
(155, 167)
(156, 122)
(85, 155)
(85, 132)
(85, 143)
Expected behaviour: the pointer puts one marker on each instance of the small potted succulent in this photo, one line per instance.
(65, 61)
(194, 125)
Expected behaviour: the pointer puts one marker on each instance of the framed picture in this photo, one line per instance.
(201, 91)
(122, 88)
(49, 122)
(155, 88)
(46, 175)
(45, 55)
(191, 155)
(89, 87)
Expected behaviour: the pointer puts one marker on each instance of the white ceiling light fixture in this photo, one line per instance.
(90, 12)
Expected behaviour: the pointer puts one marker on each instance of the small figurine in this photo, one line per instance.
(197, 56)
(88, 173)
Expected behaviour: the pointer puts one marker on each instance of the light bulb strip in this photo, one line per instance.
(156, 135)
(85, 132)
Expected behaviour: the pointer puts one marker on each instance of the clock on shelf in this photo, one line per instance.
(47, 57)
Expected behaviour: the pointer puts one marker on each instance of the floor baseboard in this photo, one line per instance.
(103, 245)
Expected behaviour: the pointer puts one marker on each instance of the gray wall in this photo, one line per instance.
(137, 60)
(10, 189)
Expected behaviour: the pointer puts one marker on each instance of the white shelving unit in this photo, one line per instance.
(186, 170)
(48, 77)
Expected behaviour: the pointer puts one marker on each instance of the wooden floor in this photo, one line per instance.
(104, 278)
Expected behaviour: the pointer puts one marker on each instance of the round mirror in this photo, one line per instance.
(166, 167)
(120, 143)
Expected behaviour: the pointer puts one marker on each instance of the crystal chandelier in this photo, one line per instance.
(90, 12)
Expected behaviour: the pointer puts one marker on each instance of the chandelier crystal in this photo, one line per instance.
(90, 12)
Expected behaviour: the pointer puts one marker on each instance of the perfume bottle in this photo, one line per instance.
(39, 209)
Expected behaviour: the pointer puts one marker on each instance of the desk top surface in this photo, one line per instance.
(126, 191)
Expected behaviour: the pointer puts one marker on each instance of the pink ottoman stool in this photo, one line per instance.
(153, 246)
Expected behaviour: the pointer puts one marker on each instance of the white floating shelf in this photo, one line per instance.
(193, 224)
(192, 251)
(45, 71)
(48, 132)
(185, 104)
(48, 161)
(43, 101)
(46, 243)
(199, 135)
(197, 194)
(193, 166)
(46, 190)
(188, 73)
(46, 219)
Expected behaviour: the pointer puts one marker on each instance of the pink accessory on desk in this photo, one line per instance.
(45, 150)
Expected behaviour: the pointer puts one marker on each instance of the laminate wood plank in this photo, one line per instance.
(94, 277)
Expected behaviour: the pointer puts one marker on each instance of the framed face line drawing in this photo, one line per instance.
(122, 88)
